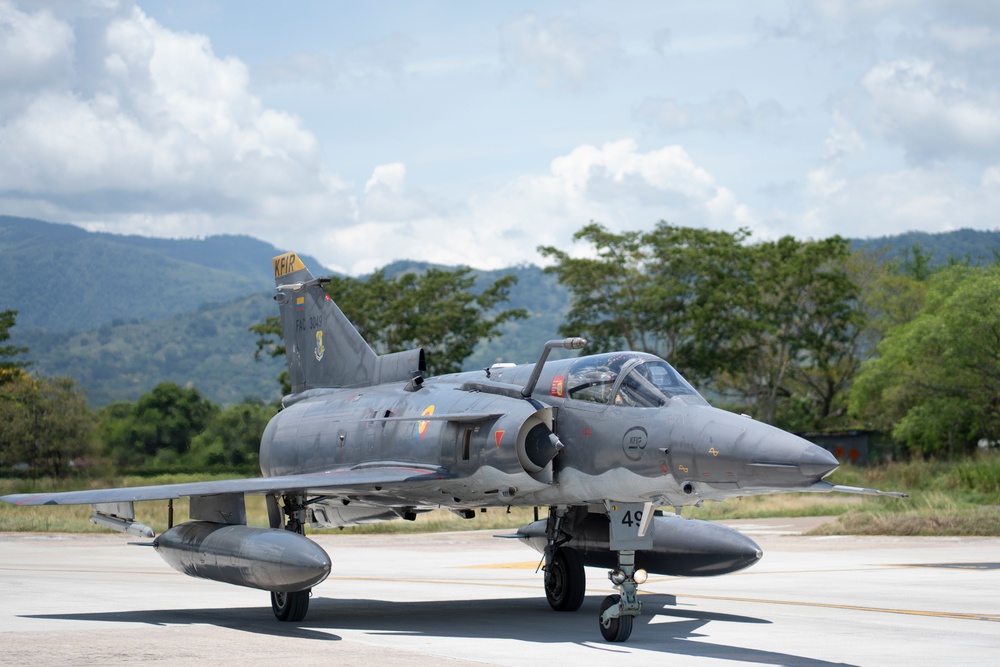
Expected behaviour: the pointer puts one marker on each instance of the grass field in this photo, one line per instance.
(946, 498)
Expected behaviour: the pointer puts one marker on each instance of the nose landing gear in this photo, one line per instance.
(618, 611)
(630, 531)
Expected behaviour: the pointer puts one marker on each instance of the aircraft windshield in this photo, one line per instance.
(626, 378)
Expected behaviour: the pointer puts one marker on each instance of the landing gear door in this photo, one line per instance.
(631, 526)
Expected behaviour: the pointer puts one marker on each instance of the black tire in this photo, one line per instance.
(565, 580)
(618, 629)
(290, 607)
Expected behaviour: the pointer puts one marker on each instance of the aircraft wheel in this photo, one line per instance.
(290, 607)
(618, 629)
(565, 580)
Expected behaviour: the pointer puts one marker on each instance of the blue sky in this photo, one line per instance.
(473, 132)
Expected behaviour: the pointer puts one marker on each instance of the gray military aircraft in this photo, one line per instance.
(601, 441)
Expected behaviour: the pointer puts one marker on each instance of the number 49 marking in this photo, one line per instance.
(631, 528)
(632, 518)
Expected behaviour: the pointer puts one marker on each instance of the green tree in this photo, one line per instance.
(644, 291)
(271, 342)
(44, 423)
(158, 427)
(772, 325)
(935, 382)
(791, 331)
(436, 310)
(610, 290)
(232, 438)
(916, 263)
(8, 319)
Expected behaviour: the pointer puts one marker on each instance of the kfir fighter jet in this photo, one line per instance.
(601, 441)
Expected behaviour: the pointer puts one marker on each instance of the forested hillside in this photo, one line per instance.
(61, 278)
(962, 245)
(122, 313)
(210, 349)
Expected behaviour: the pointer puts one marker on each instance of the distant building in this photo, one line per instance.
(848, 446)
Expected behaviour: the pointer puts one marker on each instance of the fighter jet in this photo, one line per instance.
(602, 442)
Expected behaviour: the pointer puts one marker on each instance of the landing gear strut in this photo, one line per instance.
(618, 611)
(630, 531)
(565, 580)
(290, 606)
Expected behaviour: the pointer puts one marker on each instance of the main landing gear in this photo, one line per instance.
(565, 580)
(290, 606)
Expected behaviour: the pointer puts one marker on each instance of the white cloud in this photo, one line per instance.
(111, 120)
(932, 115)
(660, 41)
(151, 131)
(559, 52)
(617, 184)
(965, 38)
(389, 199)
(725, 111)
(843, 140)
(36, 48)
(387, 58)
(388, 176)
(866, 204)
(991, 177)
(625, 188)
(861, 9)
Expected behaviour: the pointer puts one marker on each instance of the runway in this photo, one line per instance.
(467, 598)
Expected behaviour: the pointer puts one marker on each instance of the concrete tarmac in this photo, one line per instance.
(467, 598)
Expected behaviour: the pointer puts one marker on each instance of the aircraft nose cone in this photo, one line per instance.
(817, 463)
(781, 460)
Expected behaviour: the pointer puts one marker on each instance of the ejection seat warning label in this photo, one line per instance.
(631, 526)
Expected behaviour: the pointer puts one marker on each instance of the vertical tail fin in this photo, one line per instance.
(322, 347)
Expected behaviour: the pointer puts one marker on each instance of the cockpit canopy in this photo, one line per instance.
(631, 379)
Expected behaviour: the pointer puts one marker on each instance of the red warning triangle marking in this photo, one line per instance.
(498, 435)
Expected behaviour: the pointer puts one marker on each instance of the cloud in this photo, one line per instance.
(725, 111)
(559, 53)
(126, 125)
(846, 10)
(499, 226)
(35, 48)
(991, 177)
(660, 41)
(843, 140)
(933, 115)
(388, 198)
(377, 60)
(965, 39)
(865, 204)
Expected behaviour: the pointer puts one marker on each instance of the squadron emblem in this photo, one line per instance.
(319, 349)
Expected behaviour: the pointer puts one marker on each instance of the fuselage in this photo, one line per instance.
(631, 430)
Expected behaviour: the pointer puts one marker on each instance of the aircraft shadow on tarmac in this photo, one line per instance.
(521, 619)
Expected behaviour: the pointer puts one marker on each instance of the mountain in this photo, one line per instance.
(61, 278)
(972, 245)
(541, 294)
(123, 313)
(210, 349)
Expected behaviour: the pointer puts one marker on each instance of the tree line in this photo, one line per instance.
(805, 335)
